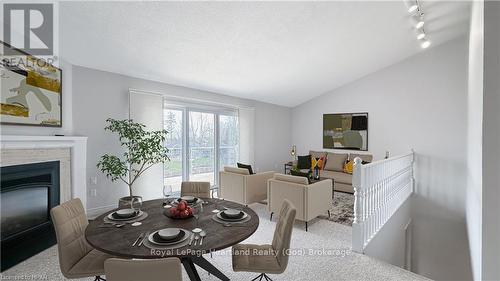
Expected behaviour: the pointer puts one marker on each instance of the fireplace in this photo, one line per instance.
(28, 192)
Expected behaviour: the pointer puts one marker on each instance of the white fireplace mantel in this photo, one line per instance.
(78, 148)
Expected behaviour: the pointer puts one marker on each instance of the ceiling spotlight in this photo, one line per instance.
(425, 44)
(421, 36)
(419, 24)
(412, 8)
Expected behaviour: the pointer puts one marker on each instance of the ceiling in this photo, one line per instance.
(278, 52)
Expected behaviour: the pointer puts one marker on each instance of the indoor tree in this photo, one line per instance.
(143, 149)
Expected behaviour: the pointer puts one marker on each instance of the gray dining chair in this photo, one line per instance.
(199, 189)
(142, 269)
(273, 258)
(77, 258)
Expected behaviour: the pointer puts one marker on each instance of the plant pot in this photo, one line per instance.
(125, 202)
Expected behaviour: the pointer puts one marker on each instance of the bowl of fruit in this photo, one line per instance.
(180, 211)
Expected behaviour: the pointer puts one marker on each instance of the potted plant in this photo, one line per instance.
(143, 149)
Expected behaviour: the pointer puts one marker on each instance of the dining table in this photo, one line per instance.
(118, 241)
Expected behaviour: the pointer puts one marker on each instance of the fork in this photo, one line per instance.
(145, 237)
(196, 238)
(191, 239)
(138, 238)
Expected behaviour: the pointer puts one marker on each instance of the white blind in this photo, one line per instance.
(147, 109)
(246, 118)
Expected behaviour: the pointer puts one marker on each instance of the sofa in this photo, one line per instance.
(333, 167)
(311, 200)
(238, 185)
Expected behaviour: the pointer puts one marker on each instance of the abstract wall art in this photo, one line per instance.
(345, 131)
(31, 90)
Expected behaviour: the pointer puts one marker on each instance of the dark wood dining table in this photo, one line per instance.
(118, 241)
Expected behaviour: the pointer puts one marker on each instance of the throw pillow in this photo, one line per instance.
(335, 161)
(304, 162)
(348, 166)
(317, 161)
(245, 166)
(317, 154)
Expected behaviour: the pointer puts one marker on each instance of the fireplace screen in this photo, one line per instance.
(24, 208)
(28, 192)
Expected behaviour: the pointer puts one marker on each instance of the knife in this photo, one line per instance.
(145, 237)
(137, 240)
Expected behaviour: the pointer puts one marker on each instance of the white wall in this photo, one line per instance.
(491, 141)
(419, 103)
(475, 137)
(483, 193)
(390, 243)
(98, 95)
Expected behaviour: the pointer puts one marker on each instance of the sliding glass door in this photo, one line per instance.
(201, 141)
(228, 140)
(201, 147)
(173, 120)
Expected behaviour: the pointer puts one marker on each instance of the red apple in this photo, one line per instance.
(185, 213)
(182, 206)
(172, 211)
(181, 215)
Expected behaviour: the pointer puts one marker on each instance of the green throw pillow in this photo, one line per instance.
(304, 162)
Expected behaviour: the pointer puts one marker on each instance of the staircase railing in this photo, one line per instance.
(380, 188)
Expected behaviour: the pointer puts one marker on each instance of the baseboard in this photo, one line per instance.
(92, 213)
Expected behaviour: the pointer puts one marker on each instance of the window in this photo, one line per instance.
(202, 147)
(229, 139)
(201, 140)
(173, 123)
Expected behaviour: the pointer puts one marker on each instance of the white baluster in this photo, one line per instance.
(379, 189)
(358, 228)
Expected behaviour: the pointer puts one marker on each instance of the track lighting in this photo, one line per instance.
(412, 8)
(417, 19)
(425, 44)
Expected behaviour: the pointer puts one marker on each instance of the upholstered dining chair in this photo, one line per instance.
(77, 259)
(271, 259)
(141, 269)
(199, 189)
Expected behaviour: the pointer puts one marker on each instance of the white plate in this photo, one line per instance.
(110, 216)
(186, 236)
(245, 215)
(232, 213)
(125, 213)
(168, 233)
(188, 198)
(195, 202)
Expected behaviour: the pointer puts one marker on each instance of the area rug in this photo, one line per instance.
(343, 208)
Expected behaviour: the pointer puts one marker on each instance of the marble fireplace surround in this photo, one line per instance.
(70, 151)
